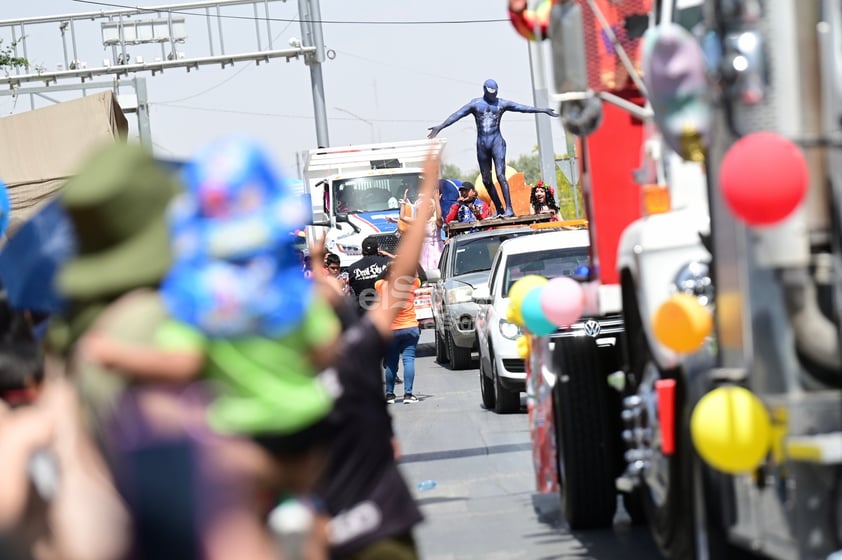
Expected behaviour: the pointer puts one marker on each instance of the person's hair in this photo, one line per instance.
(549, 199)
(331, 258)
(20, 357)
(467, 185)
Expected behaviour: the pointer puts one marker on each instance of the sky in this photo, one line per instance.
(401, 66)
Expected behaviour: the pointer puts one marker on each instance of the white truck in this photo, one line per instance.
(356, 191)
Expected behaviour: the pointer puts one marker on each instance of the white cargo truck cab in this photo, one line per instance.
(356, 191)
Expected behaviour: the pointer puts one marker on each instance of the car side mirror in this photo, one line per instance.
(433, 275)
(481, 295)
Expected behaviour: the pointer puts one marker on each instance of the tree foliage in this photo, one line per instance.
(450, 171)
(8, 58)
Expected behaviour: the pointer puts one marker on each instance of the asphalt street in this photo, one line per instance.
(484, 504)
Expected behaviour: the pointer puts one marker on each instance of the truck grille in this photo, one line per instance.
(386, 241)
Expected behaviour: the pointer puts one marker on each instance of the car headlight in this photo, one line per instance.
(460, 294)
(694, 279)
(509, 330)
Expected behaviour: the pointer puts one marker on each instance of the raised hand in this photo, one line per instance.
(434, 131)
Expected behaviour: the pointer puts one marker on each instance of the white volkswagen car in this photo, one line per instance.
(551, 254)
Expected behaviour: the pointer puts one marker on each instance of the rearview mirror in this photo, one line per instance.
(433, 275)
(481, 295)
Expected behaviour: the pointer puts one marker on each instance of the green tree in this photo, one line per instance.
(8, 59)
(451, 171)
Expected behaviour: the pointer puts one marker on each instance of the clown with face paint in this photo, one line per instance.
(491, 147)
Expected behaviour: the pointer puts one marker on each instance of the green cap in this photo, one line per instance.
(117, 205)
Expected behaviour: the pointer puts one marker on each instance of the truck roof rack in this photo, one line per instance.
(535, 221)
(341, 159)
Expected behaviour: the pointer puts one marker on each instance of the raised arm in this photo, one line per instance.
(409, 252)
(463, 112)
(519, 108)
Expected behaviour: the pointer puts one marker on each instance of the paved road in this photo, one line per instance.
(485, 505)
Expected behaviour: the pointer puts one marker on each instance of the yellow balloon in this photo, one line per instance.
(731, 429)
(516, 294)
(682, 323)
(523, 347)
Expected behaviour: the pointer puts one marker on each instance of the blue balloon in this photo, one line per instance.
(533, 316)
(5, 208)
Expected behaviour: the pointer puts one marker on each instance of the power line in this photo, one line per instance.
(515, 119)
(299, 20)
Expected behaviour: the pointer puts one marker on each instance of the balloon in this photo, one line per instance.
(525, 22)
(763, 178)
(533, 316)
(516, 293)
(5, 208)
(562, 301)
(682, 324)
(731, 429)
(523, 347)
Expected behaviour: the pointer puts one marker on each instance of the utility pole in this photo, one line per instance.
(541, 98)
(311, 35)
(153, 40)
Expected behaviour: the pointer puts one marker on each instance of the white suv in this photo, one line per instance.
(550, 254)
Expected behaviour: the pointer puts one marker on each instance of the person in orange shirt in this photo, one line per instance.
(405, 333)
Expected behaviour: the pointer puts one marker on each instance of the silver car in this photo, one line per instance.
(465, 264)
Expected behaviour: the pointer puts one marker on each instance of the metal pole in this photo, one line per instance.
(143, 128)
(311, 36)
(542, 123)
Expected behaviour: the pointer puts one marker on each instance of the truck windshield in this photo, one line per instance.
(548, 263)
(374, 194)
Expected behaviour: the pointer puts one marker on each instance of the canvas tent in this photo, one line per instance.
(41, 149)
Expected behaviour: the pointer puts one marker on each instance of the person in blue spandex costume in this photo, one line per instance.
(491, 147)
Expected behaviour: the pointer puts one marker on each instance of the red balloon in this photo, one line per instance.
(764, 178)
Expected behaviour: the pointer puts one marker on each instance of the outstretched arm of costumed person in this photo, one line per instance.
(463, 112)
(406, 262)
(520, 108)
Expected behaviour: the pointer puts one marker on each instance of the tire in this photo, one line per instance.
(586, 436)
(672, 521)
(460, 358)
(506, 402)
(441, 349)
(486, 386)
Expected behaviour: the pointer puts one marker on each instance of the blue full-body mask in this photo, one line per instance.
(491, 147)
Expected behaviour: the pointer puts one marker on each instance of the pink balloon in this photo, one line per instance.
(562, 301)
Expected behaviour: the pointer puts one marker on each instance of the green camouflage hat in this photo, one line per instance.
(117, 206)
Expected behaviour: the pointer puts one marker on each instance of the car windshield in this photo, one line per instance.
(548, 263)
(477, 255)
(374, 194)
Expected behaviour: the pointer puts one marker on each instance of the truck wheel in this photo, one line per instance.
(460, 358)
(584, 431)
(505, 401)
(441, 349)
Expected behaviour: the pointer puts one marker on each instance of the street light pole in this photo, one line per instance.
(359, 118)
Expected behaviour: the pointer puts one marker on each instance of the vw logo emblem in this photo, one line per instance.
(592, 328)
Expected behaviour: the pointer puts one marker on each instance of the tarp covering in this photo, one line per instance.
(41, 149)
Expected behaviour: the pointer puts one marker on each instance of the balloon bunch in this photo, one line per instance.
(541, 306)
